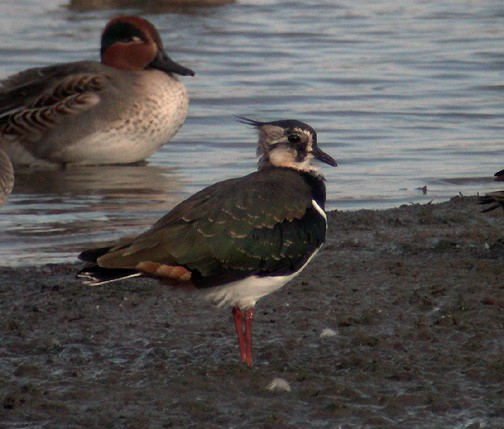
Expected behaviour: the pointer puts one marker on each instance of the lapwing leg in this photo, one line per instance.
(249, 316)
(238, 320)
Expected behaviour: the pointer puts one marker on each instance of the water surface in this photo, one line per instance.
(404, 95)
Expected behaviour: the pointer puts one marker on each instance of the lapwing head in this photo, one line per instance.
(288, 143)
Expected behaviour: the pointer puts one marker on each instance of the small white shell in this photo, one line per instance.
(327, 332)
(279, 385)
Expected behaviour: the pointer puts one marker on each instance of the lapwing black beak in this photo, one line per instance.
(324, 157)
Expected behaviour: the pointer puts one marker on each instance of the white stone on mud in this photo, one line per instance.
(279, 385)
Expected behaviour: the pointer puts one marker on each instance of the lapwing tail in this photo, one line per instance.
(93, 275)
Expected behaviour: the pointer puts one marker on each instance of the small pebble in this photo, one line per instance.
(279, 385)
(327, 332)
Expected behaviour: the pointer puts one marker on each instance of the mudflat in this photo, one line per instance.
(398, 322)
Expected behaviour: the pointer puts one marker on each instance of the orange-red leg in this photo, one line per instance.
(249, 316)
(238, 320)
(243, 325)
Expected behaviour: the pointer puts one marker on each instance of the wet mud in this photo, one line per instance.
(409, 302)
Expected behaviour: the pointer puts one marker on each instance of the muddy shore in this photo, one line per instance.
(410, 301)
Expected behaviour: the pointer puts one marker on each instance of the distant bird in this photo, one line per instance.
(496, 198)
(150, 6)
(237, 240)
(6, 177)
(115, 112)
(499, 176)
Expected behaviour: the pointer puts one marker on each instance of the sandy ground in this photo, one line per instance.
(413, 296)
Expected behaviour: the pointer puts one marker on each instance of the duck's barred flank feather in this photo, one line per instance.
(70, 87)
(29, 124)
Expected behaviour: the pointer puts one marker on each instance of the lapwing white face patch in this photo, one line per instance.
(291, 147)
(285, 156)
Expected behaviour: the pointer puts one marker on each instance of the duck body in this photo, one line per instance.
(87, 112)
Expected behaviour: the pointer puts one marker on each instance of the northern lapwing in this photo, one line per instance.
(499, 176)
(237, 240)
(496, 198)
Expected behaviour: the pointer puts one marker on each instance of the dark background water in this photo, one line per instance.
(403, 94)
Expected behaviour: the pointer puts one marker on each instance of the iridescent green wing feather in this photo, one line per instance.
(261, 223)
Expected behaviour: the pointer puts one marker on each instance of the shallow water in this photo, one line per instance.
(403, 95)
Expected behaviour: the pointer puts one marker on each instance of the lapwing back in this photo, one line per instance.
(267, 223)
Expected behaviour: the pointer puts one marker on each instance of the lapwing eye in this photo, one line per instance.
(293, 138)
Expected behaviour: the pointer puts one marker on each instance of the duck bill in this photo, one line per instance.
(324, 157)
(164, 63)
